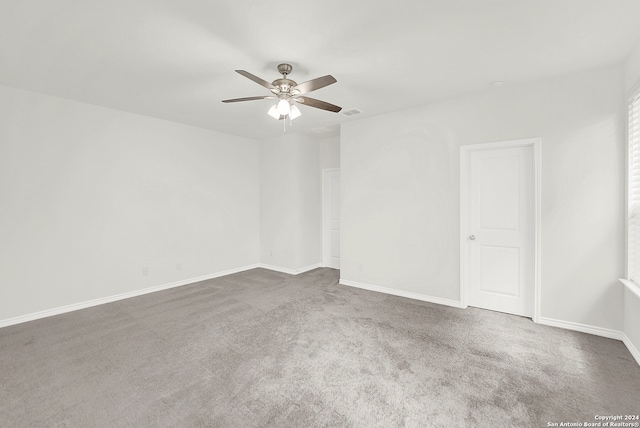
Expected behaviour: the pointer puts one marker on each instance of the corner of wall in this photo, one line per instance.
(632, 68)
(290, 222)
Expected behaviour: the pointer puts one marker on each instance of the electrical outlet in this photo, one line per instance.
(178, 266)
(145, 271)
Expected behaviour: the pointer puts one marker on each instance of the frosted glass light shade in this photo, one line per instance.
(273, 112)
(295, 112)
(284, 107)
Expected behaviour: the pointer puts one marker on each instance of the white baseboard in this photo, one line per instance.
(290, 271)
(401, 293)
(631, 347)
(567, 325)
(101, 301)
(583, 328)
(109, 299)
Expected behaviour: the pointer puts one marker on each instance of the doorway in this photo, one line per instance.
(331, 218)
(500, 205)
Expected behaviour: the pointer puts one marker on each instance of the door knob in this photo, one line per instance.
(472, 237)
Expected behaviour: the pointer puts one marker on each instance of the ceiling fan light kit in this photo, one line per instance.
(288, 92)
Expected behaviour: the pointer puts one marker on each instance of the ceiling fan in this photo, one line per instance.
(286, 91)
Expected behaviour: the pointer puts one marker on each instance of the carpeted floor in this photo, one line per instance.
(266, 349)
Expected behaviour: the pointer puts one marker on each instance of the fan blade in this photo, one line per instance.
(256, 79)
(235, 100)
(312, 85)
(312, 102)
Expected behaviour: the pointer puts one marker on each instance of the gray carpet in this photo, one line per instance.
(266, 349)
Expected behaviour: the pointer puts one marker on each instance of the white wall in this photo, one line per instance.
(631, 301)
(329, 153)
(89, 196)
(632, 69)
(400, 191)
(290, 205)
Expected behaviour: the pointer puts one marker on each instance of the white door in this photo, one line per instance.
(499, 235)
(331, 218)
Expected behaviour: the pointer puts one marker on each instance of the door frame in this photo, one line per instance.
(465, 154)
(326, 244)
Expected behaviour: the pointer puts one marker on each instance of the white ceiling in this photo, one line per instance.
(175, 60)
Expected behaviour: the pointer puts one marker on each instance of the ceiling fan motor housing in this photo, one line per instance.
(284, 84)
(285, 69)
